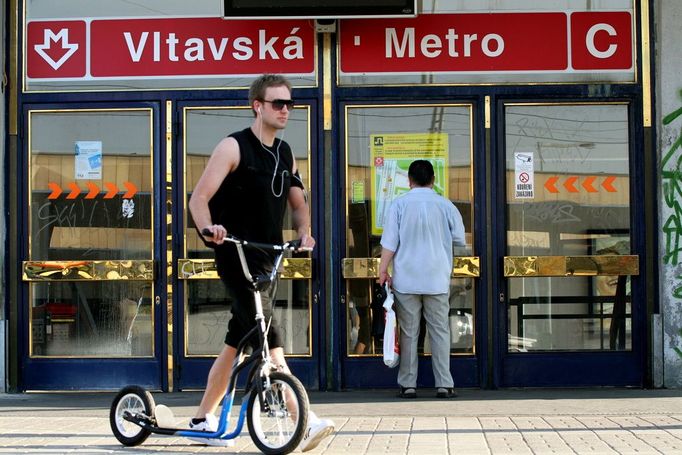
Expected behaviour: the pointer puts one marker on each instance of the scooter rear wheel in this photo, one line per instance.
(277, 426)
(133, 399)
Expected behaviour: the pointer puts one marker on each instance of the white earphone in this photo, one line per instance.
(275, 156)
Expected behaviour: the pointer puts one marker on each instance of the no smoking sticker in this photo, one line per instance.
(524, 175)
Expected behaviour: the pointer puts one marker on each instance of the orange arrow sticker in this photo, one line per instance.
(568, 184)
(549, 184)
(93, 191)
(607, 184)
(75, 191)
(112, 190)
(587, 184)
(132, 189)
(56, 190)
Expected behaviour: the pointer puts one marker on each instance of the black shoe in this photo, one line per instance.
(407, 392)
(446, 392)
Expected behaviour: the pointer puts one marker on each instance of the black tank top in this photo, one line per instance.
(250, 204)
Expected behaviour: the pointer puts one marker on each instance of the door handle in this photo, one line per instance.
(567, 266)
(99, 270)
(291, 269)
(353, 268)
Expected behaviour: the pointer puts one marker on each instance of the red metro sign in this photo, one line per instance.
(523, 42)
(601, 41)
(168, 48)
(201, 47)
(489, 43)
(56, 49)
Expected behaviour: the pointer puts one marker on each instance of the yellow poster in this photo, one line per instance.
(391, 155)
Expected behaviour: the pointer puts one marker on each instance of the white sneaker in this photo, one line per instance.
(209, 425)
(315, 433)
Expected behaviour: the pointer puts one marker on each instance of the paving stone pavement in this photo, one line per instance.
(583, 421)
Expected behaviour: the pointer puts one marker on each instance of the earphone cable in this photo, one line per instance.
(276, 158)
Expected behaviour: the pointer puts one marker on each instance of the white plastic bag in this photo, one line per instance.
(391, 337)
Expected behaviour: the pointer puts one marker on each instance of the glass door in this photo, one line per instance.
(92, 295)
(573, 306)
(380, 141)
(202, 310)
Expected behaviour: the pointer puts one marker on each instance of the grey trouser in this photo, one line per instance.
(436, 309)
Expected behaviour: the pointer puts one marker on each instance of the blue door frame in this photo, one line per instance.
(330, 367)
(65, 373)
(370, 372)
(153, 373)
(578, 368)
(191, 372)
(492, 366)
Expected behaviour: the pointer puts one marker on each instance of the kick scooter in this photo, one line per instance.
(275, 404)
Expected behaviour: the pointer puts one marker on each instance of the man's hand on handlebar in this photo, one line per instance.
(307, 242)
(218, 235)
(215, 233)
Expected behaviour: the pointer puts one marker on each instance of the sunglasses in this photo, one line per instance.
(279, 104)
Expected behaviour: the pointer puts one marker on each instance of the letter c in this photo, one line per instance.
(589, 40)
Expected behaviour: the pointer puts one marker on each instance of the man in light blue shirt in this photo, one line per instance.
(418, 238)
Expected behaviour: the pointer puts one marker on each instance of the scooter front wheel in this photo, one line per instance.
(132, 399)
(277, 424)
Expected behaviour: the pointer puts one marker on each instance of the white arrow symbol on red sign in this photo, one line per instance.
(49, 38)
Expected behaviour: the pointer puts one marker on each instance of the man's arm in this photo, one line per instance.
(390, 241)
(386, 258)
(457, 228)
(223, 160)
(300, 213)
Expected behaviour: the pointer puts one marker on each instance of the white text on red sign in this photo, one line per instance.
(172, 47)
(448, 43)
(496, 42)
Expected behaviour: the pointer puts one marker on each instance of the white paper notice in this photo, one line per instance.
(89, 160)
(524, 175)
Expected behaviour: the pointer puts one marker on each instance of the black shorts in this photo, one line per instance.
(244, 314)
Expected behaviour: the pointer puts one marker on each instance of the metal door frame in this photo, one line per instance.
(470, 370)
(579, 368)
(76, 373)
(310, 370)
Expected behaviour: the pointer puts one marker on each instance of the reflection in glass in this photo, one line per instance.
(208, 312)
(207, 307)
(366, 319)
(90, 190)
(461, 315)
(579, 205)
(368, 128)
(106, 214)
(613, 294)
(95, 318)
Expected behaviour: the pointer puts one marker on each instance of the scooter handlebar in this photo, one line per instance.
(293, 245)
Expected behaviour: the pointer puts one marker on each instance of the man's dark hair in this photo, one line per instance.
(421, 172)
(262, 83)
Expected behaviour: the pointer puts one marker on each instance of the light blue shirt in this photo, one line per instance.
(421, 228)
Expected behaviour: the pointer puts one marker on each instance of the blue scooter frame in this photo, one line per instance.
(269, 393)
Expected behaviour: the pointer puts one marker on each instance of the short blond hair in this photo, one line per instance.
(262, 83)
